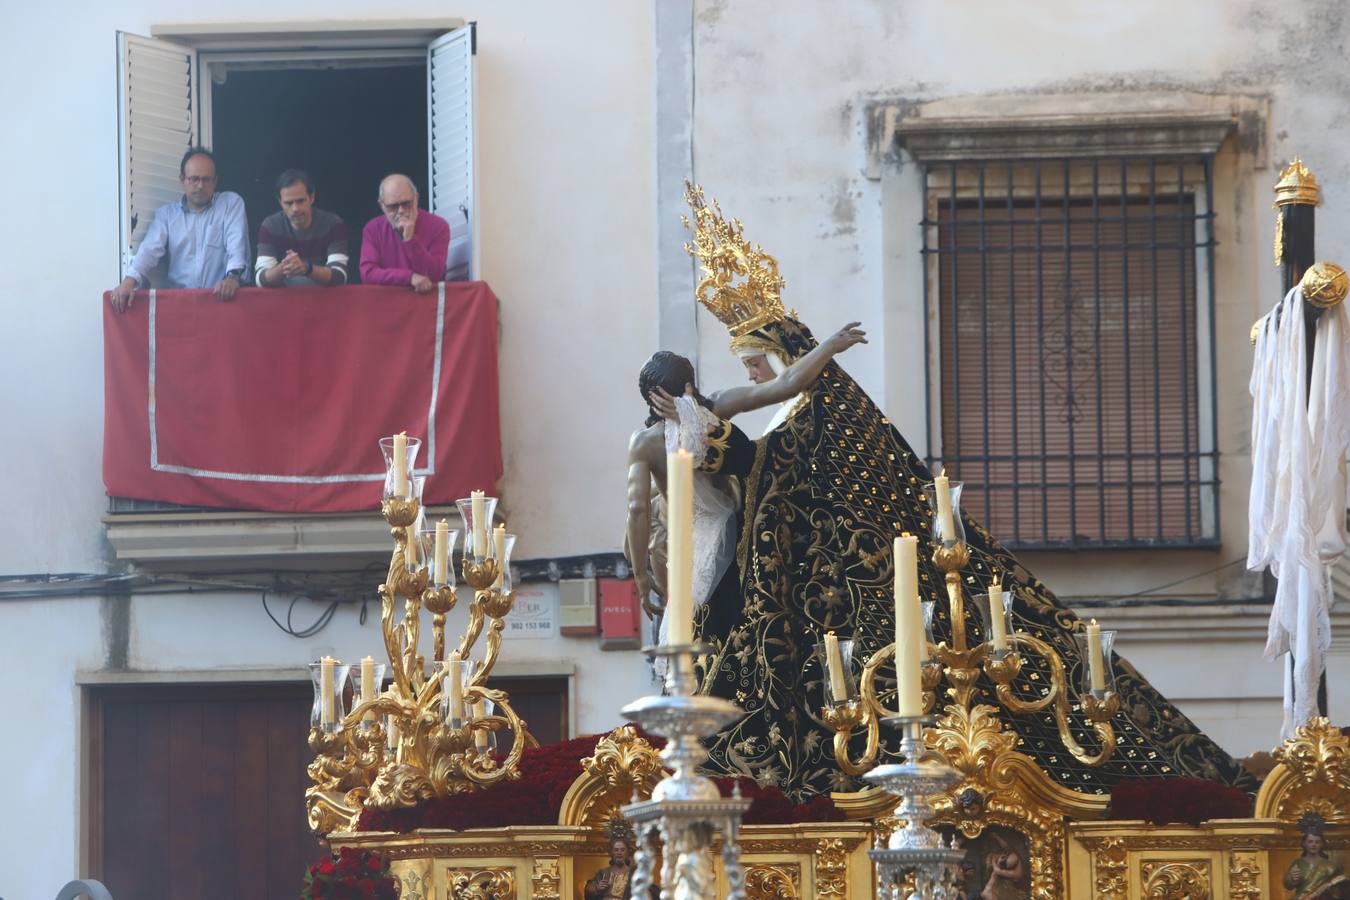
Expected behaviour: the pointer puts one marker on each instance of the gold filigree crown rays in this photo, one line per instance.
(740, 283)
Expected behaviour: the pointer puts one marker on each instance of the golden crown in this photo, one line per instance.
(740, 283)
(1297, 185)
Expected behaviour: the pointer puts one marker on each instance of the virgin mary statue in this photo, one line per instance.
(831, 484)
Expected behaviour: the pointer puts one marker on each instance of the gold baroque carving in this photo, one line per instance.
(1312, 774)
(623, 765)
(1244, 874)
(1109, 863)
(546, 884)
(1016, 793)
(832, 867)
(1173, 880)
(482, 884)
(782, 881)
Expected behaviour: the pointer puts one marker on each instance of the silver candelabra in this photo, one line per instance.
(915, 864)
(686, 810)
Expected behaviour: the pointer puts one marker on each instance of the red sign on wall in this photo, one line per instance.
(620, 614)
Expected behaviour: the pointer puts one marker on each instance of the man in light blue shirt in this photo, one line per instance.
(205, 235)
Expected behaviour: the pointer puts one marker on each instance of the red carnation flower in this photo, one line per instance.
(326, 867)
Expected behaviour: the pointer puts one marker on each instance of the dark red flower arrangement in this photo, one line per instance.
(1163, 801)
(350, 874)
(536, 798)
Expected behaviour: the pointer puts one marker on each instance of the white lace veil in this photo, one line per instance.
(714, 509)
(779, 366)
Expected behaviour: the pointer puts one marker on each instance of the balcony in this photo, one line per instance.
(244, 435)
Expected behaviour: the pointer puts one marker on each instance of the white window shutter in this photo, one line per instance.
(157, 121)
(450, 137)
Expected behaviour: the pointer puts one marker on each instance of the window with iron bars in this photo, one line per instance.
(1070, 329)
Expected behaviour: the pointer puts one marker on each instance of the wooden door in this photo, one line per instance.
(200, 791)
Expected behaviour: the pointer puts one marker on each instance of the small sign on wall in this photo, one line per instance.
(535, 613)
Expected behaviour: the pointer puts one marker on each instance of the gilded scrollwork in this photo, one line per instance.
(1312, 774)
(1176, 880)
(780, 881)
(545, 882)
(1244, 874)
(832, 868)
(622, 765)
(1110, 869)
(482, 884)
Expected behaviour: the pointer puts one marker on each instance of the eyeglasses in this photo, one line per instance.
(401, 206)
(199, 179)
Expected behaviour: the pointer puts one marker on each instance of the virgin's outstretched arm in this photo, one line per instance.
(795, 379)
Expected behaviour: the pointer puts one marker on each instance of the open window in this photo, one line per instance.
(361, 99)
(158, 119)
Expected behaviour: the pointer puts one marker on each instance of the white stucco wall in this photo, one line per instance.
(566, 196)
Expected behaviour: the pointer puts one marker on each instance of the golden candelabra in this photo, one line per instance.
(959, 665)
(420, 738)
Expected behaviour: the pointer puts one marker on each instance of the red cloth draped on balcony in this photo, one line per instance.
(276, 401)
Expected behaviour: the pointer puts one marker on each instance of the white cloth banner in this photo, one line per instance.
(1296, 510)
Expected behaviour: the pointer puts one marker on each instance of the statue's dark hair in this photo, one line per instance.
(670, 372)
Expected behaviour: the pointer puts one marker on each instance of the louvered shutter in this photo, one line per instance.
(450, 143)
(157, 122)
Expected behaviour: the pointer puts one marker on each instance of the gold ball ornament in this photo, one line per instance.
(1324, 285)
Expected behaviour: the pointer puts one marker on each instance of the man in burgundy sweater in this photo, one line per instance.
(406, 245)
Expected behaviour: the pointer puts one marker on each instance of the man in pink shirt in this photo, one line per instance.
(405, 245)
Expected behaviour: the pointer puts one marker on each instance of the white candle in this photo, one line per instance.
(391, 732)
(834, 662)
(679, 547)
(327, 714)
(480, 736)
(946, 527)
(368, 684)
(499, 540)
(453, 665)
(401, 464)
(442, 551)
(478, 507)
(1096, 666)
(998, 626)
(414, 546)
(909, 635)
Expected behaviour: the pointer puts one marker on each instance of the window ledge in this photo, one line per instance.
(1064, 126)
(168, 540)
(335, 34)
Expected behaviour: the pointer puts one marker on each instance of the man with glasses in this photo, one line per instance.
(204, 234)
(405, 246)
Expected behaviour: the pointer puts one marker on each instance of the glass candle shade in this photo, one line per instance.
(398, 480)
(1096, 676)
(928, 607)
(996, 619)
(417, 553)
(473, 549)
(503, 583)
(367, 679)
(483, 741)
(837, 680)
(455, 716)
(330, 680)
(947, 528)
(442, 562)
